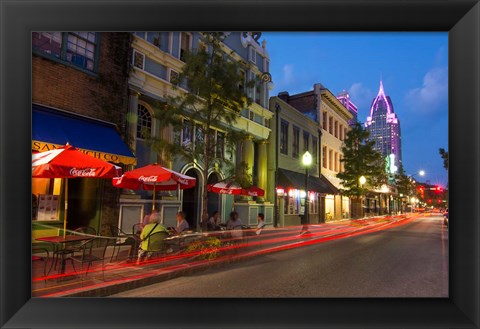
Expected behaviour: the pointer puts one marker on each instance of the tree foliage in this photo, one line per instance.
(444, 155)
(212, 93)
(361, 159)
(403, 182)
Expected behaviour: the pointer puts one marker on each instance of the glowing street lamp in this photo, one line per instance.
(306, 161)
(362, 180)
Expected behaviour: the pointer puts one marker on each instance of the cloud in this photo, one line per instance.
(288, 75)
(361, 96)
(433, 92)
(285, 80)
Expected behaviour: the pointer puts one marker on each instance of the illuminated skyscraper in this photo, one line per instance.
(384, 127)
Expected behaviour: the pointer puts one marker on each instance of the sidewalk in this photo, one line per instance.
(121, 275)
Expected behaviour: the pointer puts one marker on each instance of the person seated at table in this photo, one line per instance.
(182, 224)
(235, 225)
(214, 221)
(261, 223)
(153, 227)
(155, 215)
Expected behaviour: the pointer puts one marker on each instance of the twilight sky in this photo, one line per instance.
(412, 65)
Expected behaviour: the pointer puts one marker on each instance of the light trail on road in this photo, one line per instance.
(269, 243)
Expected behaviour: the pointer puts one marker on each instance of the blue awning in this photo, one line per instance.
(52, 128)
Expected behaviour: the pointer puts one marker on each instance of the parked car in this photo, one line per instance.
(445, 218)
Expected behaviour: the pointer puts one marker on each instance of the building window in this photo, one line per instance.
(155, 38)
(324, 157)
(199, 135)
(336, 128)
(138, 60)
(336, 161)
(173, 77)
(251, 115)
(344, 132)
(253, 55)
(258, 91)
(341, 163)
(284, 137)
(142, 35)
(220, 146)
(330, 160)
(324, 121)
(185, 45)
(341, 132)
(314, 149)
(144, 122)
(161, 40)
(187, 134)
(296, 142)
(306, 141)
(77, 48)
(330, 125)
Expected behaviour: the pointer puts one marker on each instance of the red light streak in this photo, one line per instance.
(318, 234)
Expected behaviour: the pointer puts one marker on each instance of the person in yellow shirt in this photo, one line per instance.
(149, 243)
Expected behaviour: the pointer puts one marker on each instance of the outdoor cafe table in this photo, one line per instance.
(59, 241)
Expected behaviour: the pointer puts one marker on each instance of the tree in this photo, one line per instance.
(214, 93)
(361, 159)
(404, 183)
(444, 155)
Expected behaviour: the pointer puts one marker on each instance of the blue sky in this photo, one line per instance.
(412, 65)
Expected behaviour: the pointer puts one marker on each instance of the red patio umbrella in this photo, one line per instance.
(234, 188)
(153, 177)
(69, 162)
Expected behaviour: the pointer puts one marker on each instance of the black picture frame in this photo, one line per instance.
(18, 18)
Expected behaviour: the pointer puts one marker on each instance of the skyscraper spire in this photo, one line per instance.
(381, 92)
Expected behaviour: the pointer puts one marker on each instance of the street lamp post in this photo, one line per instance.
(420, 173)
(362, 180)
(307, 161)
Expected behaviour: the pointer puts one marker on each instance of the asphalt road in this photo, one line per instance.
(406, 261)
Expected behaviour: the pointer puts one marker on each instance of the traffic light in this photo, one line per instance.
(438, 189)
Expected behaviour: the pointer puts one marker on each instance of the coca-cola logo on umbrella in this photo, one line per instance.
(87, 172)
(225, 191)
(148, 179)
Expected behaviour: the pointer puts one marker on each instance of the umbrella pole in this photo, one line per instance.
(153, 199)
(66, 209)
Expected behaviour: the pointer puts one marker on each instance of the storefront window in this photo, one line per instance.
(46, 198)
(345, 207)
(329, 207)
(294, 199)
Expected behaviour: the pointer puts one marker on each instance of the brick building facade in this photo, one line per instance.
(81, 77)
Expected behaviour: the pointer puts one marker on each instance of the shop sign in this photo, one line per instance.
(109, 157)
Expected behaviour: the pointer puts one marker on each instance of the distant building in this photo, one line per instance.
(344, 98)
(292, 135)
(384, 127)
(333, 120)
